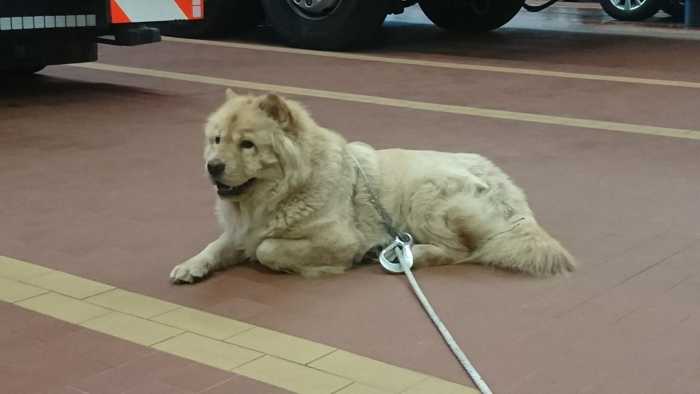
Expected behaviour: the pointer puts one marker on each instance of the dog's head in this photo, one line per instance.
(251, 143)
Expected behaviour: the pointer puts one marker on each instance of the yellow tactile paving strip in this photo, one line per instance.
(442, 64)
(400, 103)
(12, 291)
(282, 360)
(203, 323)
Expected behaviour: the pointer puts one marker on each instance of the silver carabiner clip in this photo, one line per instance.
(399, 251)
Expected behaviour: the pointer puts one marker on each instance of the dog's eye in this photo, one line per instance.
(245, 144)
(217, 140)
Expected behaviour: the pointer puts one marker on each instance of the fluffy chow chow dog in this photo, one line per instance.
(296, 197)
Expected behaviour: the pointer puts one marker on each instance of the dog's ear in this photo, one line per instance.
(230, 94)
(276, 108)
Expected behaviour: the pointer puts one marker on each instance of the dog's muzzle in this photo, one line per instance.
(224, 190)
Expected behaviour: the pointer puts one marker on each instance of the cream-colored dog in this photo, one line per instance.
(291, 196)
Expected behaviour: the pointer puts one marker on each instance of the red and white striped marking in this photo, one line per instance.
(132, 11)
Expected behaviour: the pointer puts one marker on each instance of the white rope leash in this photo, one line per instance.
(466, 364)
(400, 250)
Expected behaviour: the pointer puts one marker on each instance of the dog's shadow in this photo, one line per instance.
(476, 272)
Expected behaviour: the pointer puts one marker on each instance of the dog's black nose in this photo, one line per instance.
(216, 167)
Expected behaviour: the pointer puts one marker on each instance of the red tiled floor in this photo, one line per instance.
(197, 378)
(29, 364)
(150, 369)
(155, 387)
(66, 390)
(119, 157)
(444, 86)
(241, 384)
(44, 355)
(616, 168)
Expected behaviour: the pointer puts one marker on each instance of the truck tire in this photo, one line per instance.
(470, 16)
(325, 24)
(637, 10)
(221, 18)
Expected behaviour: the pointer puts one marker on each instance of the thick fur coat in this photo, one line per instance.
(291, 197)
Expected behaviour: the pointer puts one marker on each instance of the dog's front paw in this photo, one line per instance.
(189, 271)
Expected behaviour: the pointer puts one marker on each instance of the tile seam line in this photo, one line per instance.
(625, 280)
(651, 266)
(149, 319)
(93, 295)
(190, 331)
(301, 364)
(25, 281)
(352, 380)
(527, 117)
(179, 334)
(444, 65)
(335, 373)
(30, 297)
(343, 388)
(320, 357)
(252, 327)
(213, 386)
(261, 355)
(226, 341)
(428, 377)
(113, 310)
(184, 331)
(424, 376)
(157, 315)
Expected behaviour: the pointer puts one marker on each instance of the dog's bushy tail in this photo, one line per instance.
(526, 247)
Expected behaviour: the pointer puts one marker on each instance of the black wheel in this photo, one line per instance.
(675, 8)
(470, 15)
(325, 24)
(221, 18)
(631, 10)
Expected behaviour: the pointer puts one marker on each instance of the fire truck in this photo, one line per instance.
(38, 33)
(339, 24)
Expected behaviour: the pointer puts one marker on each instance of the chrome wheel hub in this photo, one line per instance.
(315, 7)
(627, 5)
